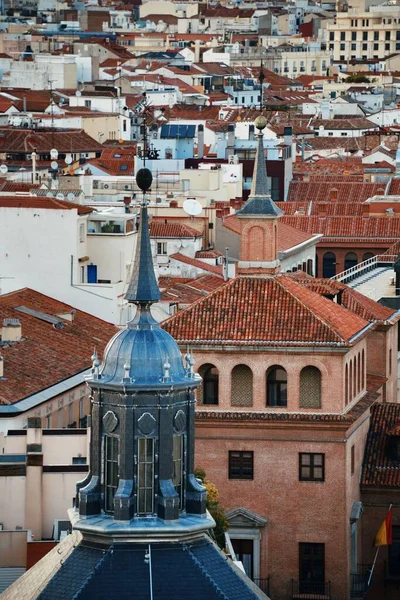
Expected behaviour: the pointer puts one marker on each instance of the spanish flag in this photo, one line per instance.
(384, 535)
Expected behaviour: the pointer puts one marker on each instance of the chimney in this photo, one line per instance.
(333, 195)
(1, 366)
(365, 210)
(251, 133)
(230, 149)
(200, 141)
(288, 136)
(11, 330)
(197, 51)
(322, 209)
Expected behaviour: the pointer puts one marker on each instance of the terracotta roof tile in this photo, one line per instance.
(351, 228)
(42, 202)
(164, 229)
(199, 264)
(380, 469)
(46, 355)
(265, 311)
(25, 140)
(347, 191)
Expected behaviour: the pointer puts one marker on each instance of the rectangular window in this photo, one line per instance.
(376, 36)
(342, 36)
(145, 476)
(331, 36)
(387, 36)
(60, 418)
(353, 459)
(387, 46)
(365, 46)
(354, 46)
(365, 36)
(343, 46)
(178, 458)
(354, 36)
(398, 35)
(312, 569)
(79, 460)
(88, 103)
(162, 248)
(111, 450)
(311, 467)
(48, 422)
(376, 46)
(240, 465)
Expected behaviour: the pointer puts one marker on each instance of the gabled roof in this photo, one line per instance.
(24, 141)
(42, 202)
(348, 227)
(270, 311)
(161, 228)
(347, 191)
(199, 264)
(380, 469)
(46, 355)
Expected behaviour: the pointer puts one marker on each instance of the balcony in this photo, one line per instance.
(263, 584)
(359, 582)
(311, 590)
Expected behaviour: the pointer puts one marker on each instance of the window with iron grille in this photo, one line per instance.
(240, 464)
(145, 477)
(311, 467)
(111, 451)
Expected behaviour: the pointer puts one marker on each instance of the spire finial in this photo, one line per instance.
(143, 288)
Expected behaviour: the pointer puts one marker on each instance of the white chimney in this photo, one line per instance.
(11, 330)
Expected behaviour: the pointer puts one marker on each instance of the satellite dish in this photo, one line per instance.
(192, 207)
(54, 154)
(49, 194)
(54, 165)
(68, 159)
(78, 93)
(3, 169)
(71, 197)
(60, 196)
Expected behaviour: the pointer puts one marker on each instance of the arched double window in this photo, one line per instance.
(276, 386)
(350, 260)
(310, 387)
(208, 390)
(242, 386)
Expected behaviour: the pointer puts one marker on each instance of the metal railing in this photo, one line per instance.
(359, 581)
(365, 266)
(312, 590)
(263, 584)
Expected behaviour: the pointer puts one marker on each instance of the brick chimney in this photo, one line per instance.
(11, 330)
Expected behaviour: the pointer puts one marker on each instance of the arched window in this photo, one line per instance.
(367, 256)
(276, 386)
(310, 267)
(346, 385)
(310, 388)
(111, 451)
(242, 386)
(363, 367)
(355, 377)
(359, 373)
(350, 260)
(329, 264)
(351, 381)
(208, 390)
(390, 361)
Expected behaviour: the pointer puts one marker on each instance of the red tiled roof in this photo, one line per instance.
(46, 355)
(212, 253)
(199, 264)
(265, 311)
(351, 227)
(186, 291)
(162, 229)
(348, 191)
(379, 468)
(42, 202)
(25, 140)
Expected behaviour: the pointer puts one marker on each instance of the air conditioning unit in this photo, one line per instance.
(59, 526)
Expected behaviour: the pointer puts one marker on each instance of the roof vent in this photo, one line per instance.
(11, 331)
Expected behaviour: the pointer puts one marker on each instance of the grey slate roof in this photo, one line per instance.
(143, 286)
(260, 201)
(197, 570)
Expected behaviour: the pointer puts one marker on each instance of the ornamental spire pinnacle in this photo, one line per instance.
(143, 287)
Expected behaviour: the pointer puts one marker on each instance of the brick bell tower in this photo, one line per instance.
(259, 219)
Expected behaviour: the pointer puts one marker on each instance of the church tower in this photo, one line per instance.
(259, 219)
(142, 446)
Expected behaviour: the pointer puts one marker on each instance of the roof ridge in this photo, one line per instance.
(322, 299)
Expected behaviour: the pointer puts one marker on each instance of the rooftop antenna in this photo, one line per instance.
(261, 78)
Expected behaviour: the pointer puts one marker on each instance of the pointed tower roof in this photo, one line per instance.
(143, 288)
(260, 201)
